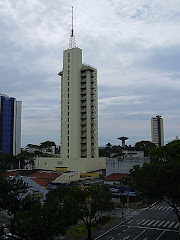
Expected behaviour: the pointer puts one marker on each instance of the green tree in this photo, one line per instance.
(37, 222)
(87, 203)
(63, 208)
(47, 144)
(166, 153)
(26, 158)
(96, 200)
(11, 194)
(9, 161)
(145, 146)
(159, 182)
(31, 220)
(104, 153)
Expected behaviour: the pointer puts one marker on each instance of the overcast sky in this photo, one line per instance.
(134, 44)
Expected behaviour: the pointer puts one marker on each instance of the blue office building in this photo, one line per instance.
(10, 125)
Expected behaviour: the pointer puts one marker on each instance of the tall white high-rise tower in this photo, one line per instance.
(79, 116)
(157, 131)
(79, 111)
(79, 107)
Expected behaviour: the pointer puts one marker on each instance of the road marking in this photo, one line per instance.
(176, 225)
(168, 222)
(120, 224)
(160, 208)
(141, 221)
(168, 208)
(145, 238)
(119, 234)
(112, 238)
(156, 208)
(161, 223)
(160, 235)
(124, 230)
(164, 208)
(153, 228)
(146, 222)
(127, 237)
(171, 224)
(116, 228)
(156, 223)
(130, 221)
(152, 207)
(141, 234)
(151, 222)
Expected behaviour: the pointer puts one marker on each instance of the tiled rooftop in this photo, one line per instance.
(116, 177)
(44, 178)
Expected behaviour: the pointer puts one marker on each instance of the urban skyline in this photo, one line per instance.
(134, 45)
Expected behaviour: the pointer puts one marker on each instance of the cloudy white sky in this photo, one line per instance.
(134, 44)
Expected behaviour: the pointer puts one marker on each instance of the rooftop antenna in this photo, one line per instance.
(72, 41)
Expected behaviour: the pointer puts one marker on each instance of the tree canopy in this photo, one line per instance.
(88, 203)
(9, 161)
(159, 180)
(145, 146)
(63, 208)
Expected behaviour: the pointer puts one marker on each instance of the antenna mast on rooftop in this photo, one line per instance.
(72, 41)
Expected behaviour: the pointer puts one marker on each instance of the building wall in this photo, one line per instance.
(10, 125)
(123, 165)
(7, 119)
(79, 164)
(17, 128)
(70, 103)
(157, 131)
(79, 111)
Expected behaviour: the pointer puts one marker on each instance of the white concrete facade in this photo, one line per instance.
(17, 128)
(125, 163)
(157, 131)
(79, 114)
(82, 165)
(79, 111)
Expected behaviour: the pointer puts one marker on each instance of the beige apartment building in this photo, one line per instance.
(79, 116)
(79, 108)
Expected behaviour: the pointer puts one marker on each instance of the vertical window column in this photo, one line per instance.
(68, 95)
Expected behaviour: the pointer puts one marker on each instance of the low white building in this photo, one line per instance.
(125, 162)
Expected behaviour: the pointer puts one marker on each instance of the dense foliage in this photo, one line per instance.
(145, 146)
(159, 180)
(88, 203)
(63, 208)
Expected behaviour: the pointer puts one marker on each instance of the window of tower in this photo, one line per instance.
(68, 55)
(68, 72)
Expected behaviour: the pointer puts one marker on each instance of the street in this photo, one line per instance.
(156, 223)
